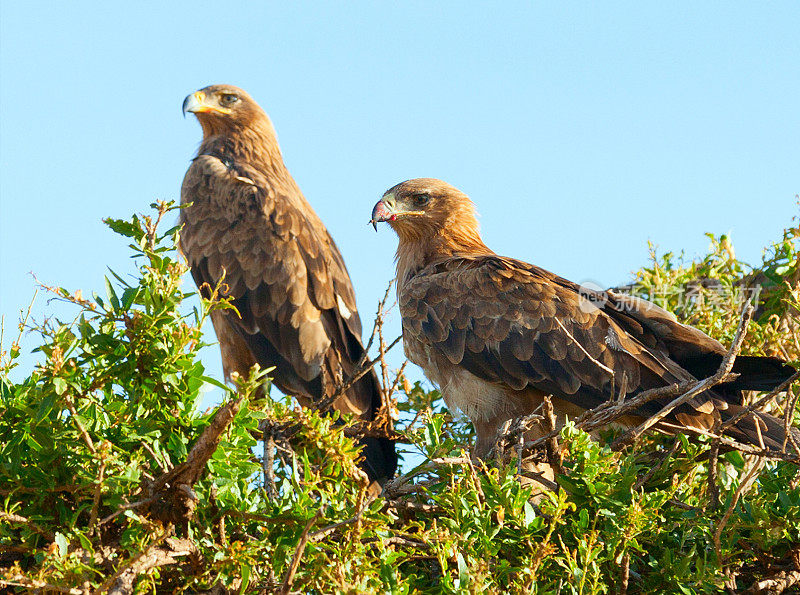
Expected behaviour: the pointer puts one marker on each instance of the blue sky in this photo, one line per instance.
(581, 131)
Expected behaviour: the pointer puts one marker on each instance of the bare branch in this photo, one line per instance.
(118, 584)
(298, 554)
(743, 488)
(21, 520)
(98, 491)
(721, 375)
(29, 583)
(775, 584)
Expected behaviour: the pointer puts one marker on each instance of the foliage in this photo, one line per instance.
(88, 438)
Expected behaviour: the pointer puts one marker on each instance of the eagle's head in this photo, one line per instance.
(223, 108)
(426, 208)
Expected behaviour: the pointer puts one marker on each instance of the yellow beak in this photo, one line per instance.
(196, 103)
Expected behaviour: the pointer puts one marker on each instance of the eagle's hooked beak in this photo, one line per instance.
(382, 212)
(386, 210)
(196, 103)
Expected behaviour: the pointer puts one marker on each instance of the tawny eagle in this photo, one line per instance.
(497, 334)
(247, 224)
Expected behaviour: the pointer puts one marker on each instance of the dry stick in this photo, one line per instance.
(414, 506)
(643, 480)
(551, 446)
(161, 465)
(777, 583)
(744, 486)
(416, 418)
(394, 487)
(189, 471)
(787, 422)
(603, 413)
(404, 488)
(713, 458)
(397, 540)
(362, 366)
(519, 426)
(130, 506)
(111, 580)
(185, 475)
(720, 375)
(86, 438)
(761, 402)
(499, 447)
(269, 468)
(24, 581)
(624, 574)
(298, 554)
(96, 499)
(539, 477)
(317, 535)
(382, 349)
(396, 382)
(153, 558)
(682, 505)
(473, 476)
(743, 448)
(586, 353)
(355, 377)
(21, 520)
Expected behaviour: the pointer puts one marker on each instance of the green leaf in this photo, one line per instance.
(245, 569)
(63, 545)
(59, 385)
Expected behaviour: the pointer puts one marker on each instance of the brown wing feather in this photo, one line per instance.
(286, 276)
(512, 323)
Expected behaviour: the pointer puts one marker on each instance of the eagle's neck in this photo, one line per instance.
(255, 145)
(415, 253)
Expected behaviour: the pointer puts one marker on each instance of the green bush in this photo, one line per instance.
(102, 490)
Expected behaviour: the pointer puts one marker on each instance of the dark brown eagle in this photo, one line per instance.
(498, 334)
(248, 224)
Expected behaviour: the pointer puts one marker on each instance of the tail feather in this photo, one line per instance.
(771, 430)
(755, 372)
(760, 373)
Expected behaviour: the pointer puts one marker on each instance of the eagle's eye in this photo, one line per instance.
(421, 199)
(229, 99)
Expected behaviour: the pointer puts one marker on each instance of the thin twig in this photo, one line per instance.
(161, 465)
(98, 491)
(643, 480)
(551, 446)
(761, 402)
(360, 372)
(732, 444)
(29, 583)
(775, 584)
(713, 458)
(538, 476)
(744, 486)
(131, 506)
(720, 375)
(298, 554)
(624, 573)
(787, 422)
(21, 520)
(269, 468)
(111, 580)
(586, 353)
(317, 535)
(86, 438)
